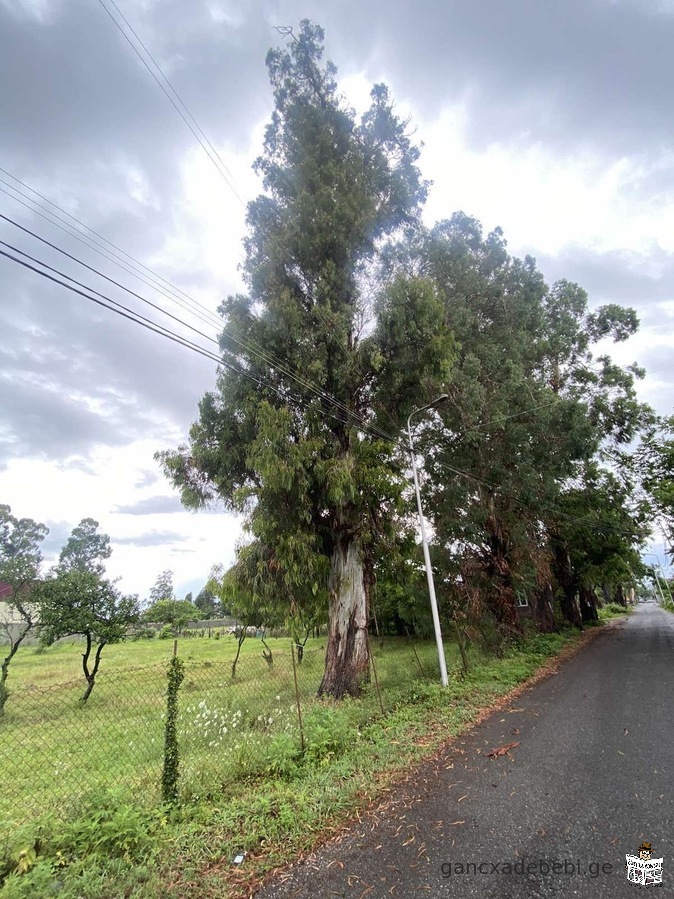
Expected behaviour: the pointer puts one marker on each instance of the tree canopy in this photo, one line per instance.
(20, 562)
(355, 313)
(77, 599)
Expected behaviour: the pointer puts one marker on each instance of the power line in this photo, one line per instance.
(119, 308)
(186, 116)
(96, 272)
(87, 241)
(127, 313)
(250, 347)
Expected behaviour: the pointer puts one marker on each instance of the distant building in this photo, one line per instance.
(10, 619)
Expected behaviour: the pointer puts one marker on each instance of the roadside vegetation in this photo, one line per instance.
(542, 476)
(108, 845)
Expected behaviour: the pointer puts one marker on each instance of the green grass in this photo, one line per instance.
(243, 788)
(54, 750)
(614, 610)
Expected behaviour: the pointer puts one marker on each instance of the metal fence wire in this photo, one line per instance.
(263, 718)
(54, 749)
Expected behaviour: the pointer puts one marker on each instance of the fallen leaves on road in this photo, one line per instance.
(502, 750)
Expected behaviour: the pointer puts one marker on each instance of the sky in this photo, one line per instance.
(551, 120)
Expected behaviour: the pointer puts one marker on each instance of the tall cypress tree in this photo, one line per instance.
(317, 485)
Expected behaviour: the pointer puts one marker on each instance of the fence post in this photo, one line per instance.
(374, 671)
(297, 697)
(170, 772)
(462, 648)
(414, 650)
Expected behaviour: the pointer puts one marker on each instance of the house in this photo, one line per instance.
(10, 620)
(8, 614)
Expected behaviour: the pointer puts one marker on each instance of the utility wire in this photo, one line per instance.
(86, 241)
(96, 272)
(186, 116)
(249, 347)
(127, 313)
(132, 315)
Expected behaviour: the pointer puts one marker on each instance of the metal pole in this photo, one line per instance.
(427, 557)
(656, 578)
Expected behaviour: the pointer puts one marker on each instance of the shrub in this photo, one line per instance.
(144, 633)
(166, 633)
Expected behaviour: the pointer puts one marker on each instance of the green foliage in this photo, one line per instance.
(20, 555)
(337, 190)
(170, 773)
(74, 601)
(55, 858)
(612, 610)
(655, 463)
(208, 605)
(162, 589)
(20, 561)
(85, 549)
(173, 612)
(327, 732)
(143, 633)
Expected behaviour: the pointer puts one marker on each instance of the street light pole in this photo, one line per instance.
(655, 576)
(424, 540)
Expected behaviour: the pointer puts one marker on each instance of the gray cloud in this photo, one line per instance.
(84, 122)
(74, 375)
(152, 505)
(150, 538)
(147, 479)
(572, 74)
(618, 276)
(59, 531)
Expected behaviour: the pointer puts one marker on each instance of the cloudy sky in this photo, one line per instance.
(552, 120)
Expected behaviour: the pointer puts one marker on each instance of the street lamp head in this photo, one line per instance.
(440, 399)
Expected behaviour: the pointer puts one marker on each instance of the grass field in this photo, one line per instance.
(54, 750)
(86, 779)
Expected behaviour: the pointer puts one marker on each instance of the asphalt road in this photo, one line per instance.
(592, 778)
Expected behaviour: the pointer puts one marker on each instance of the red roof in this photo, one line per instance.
(5, 590)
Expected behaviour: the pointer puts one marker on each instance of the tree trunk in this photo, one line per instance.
(501, 597)
(588, 604)
(91, 675)
(347, 663)
(567, 581)
(620, 596)
(241, 637)
(543, 610)
(4, 668)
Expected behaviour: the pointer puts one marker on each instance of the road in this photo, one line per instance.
(592, 778)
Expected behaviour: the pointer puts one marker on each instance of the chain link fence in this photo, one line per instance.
(262, 718)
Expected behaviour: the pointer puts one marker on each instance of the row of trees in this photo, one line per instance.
(356, 314)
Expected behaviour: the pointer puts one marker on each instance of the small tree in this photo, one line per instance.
(208, 604)
(248, 606)
(163, 588)
(20, 560)
(79, 601)
(176, 612)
